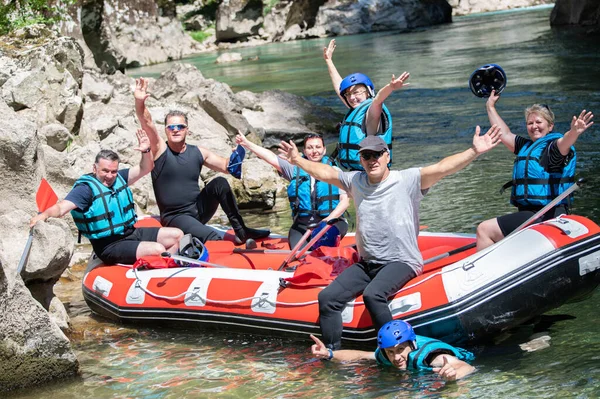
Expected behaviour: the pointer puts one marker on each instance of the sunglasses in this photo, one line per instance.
(368, 155)
(176, 127)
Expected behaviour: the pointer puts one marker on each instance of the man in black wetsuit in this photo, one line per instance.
(177, 167)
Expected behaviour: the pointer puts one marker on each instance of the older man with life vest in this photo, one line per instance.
(387, 225)
(367, 115)
(102, 207)
(398, 346)
(312, 201)
(544, 168)
(176, 174)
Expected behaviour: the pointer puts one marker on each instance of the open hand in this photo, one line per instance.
(328, 51)
(447, 371)
(143, 141)
(398, 83)
(319, 350)
(141, 90)
(289, 152)
(582, 122)
(488, 141)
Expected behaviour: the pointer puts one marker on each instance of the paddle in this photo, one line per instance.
(312, 242)
(44, 198)
(297, 247)
(536, 216)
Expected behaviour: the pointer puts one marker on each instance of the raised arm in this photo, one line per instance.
(318, 170)
(433, 173)
(157, 145)
(451, 368)
(508, 137)
(261, 152)
(335, 76)
(374, 112)
(578, 126)
(147, 162)
(320, 351)
(57, 210)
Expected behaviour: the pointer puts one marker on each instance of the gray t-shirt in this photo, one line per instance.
(387, 216)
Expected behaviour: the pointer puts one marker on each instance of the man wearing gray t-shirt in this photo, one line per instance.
(387, 225)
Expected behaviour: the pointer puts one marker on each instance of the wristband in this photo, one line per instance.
(330, 354)
(147, 150)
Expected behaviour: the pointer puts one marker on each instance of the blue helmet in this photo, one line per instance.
(331, 238)
(394, 333)
(487, 78)
(357, 79)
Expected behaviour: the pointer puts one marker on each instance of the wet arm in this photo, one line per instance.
(451, 368)
(266, 155)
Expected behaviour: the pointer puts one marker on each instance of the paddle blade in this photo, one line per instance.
(45, 196)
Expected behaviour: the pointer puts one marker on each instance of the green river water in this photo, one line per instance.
(433, 118)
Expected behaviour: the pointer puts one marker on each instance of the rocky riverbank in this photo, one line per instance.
(56, 114)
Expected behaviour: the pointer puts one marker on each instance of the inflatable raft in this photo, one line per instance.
(462, 297)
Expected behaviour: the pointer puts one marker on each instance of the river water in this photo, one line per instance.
(433, 118)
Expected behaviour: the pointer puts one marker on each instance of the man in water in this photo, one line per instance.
(387, 225)
(176, 174)
(103, 210)
(398, 346)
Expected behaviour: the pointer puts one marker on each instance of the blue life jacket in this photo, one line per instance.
(112, 210)
(353, 130)
(417, 359)
(321, 202)
(534, 186)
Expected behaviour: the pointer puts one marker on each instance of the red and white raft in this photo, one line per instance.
(461, 298)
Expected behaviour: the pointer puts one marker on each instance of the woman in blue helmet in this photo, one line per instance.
(367, 115)
(543, 169)
(398, 346)
(311, 201)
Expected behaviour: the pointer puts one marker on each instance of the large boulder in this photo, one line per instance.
(128, 33)
(347, 18)
(237, 20)
(20, 164)
(33, 349)
(576, 12)
(465, 7)
(284, 116)
(186, 84)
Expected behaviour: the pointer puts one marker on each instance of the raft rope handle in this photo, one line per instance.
(406, 287)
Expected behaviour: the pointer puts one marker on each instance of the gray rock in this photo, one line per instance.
(100, 120)
(465, 7)
(19, 162)
(56, 136)
(96, 89)
(33, 349)
(237, 20)
(229, 57)
(285, 116)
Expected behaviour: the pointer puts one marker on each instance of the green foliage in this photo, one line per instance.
(268, 6)
(19, 13)
(201, 35)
